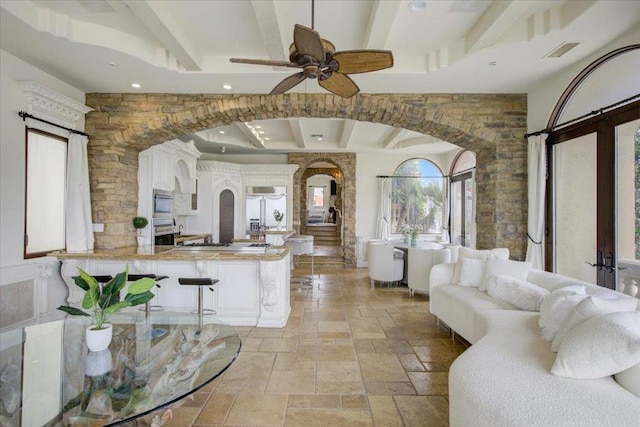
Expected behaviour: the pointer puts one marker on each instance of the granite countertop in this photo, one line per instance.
(167, 253)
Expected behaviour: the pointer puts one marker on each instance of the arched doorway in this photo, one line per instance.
(321, 206)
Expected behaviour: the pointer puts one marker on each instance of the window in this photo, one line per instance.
(416, 196)
(45, 193)
(462, 194)
(318, 197)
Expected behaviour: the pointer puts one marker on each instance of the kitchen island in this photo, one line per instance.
(253, 286)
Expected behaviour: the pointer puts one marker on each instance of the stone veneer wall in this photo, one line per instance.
(491, 125)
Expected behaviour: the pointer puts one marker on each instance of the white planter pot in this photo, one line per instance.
(98, 363)
(99, 339)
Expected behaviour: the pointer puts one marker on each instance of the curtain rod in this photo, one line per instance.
(593, 113)
(26, 116)
(411, 176)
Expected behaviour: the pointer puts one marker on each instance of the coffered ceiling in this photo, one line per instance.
(184, 46)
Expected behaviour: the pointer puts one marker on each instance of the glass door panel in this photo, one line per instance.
(457, 236)
(575, 207)
(628, 203)
(469, 214)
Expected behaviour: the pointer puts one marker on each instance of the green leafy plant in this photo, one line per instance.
(105, 300)
(278, 215)
(139, 223)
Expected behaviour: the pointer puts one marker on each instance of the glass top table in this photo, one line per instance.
(49, 378)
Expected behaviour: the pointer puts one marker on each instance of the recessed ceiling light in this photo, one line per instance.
(417, 5)
(226, 86)
(221, 132)
(136, 85)
(267, 139)
(261, 132)
(258, 127)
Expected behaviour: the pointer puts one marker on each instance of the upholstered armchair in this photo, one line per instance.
(419, 266)
(385, 263)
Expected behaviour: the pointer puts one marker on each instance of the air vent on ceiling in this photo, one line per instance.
(562, 49)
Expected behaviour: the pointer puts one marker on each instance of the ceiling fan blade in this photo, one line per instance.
(288, 83)
(363, 61)
(264, 62)
(340, 84)
(308, 42)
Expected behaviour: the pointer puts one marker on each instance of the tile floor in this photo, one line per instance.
(350, 355)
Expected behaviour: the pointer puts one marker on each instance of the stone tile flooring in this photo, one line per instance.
(350, 355)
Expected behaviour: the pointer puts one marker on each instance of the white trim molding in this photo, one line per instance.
(53, 106)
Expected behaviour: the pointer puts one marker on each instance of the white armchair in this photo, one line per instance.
(385, 265)
(419, 266)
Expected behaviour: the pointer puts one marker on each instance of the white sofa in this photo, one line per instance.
(504, 378)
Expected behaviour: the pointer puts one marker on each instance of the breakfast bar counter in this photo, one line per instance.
(252, 287)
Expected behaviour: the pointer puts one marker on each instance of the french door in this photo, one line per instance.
(592, 207)
(462, 208)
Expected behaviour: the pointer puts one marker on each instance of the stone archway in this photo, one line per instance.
(490, 125)
(344, 173)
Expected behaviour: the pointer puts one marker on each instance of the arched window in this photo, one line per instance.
(417, 196)
(462, 200)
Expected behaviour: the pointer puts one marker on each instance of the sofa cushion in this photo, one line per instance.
(471, 272)
(524, 295)
(497, 266)
(600, 346)
(588, 308)
(556, 306)
(630, 379)
(459, 307)
(476, 254)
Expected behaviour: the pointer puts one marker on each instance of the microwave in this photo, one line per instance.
(162, 204)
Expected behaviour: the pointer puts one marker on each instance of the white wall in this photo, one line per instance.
(13, 268)
(543, 95)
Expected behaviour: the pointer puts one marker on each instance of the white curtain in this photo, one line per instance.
(79, 229)
(383, 230)
(473, 234)
(445, 235)
(536, 189)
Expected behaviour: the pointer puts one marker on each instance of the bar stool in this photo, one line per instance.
(301, 245)
(200, 282)
(147, 307)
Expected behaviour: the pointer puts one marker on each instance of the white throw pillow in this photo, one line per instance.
(630, 379)
(476, 254)
(591, 307)
(524, 295)
(497, 266)
(472, 272)
(601, 346)
(556, 306)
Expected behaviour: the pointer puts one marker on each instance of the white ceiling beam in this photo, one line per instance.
(494, 22)
(272, 37)
(253, 136)
(298, 134)
(394, 138)
(383, 15)
(159, 20)
(347, 132)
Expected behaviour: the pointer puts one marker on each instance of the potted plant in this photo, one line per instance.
(103, 301)
(139, 223)
(406, 231)
(415, 230)
(278, 216)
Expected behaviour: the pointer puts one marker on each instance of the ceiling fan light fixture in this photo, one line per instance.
(417, 5)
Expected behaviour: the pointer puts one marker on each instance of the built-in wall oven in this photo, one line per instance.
(164, 231)
(162, 204)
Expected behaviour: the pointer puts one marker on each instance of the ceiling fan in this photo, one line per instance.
(318, 59)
